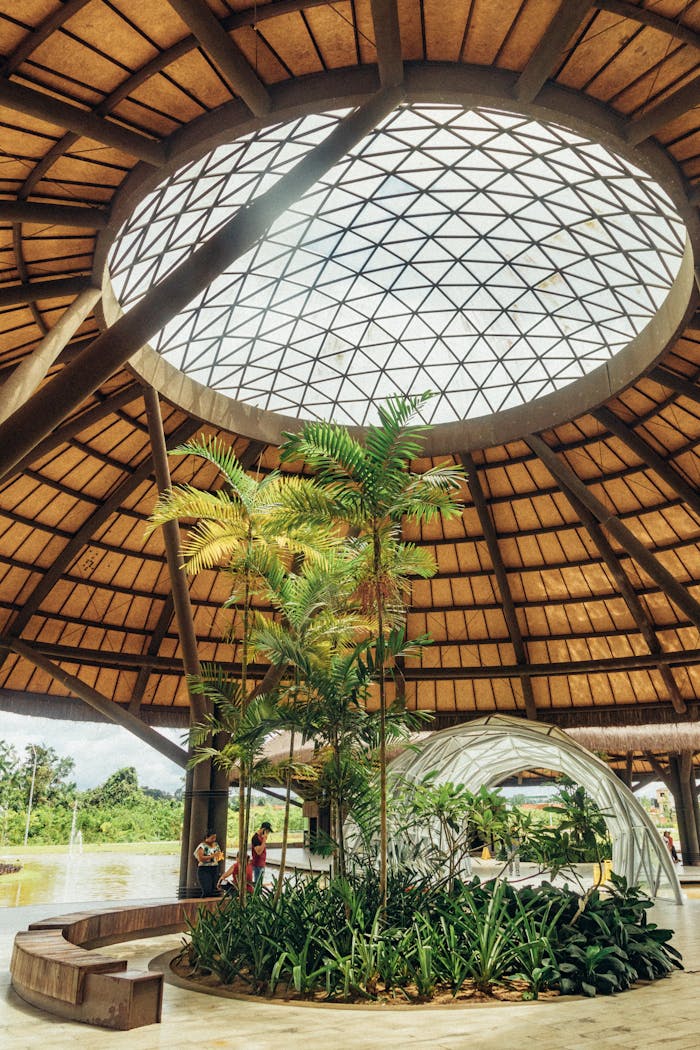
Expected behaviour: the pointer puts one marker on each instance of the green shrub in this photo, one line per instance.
(328, 939)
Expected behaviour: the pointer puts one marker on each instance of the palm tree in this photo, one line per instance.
(241, 527)
(369, 488)
(315, 623)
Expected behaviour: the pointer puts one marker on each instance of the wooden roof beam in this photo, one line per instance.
(672, 107)
(111, 710)
(225, 53)
(557, 669)
(387, 39)
(547, 54)
(110, 350)
(43, 106)
(35, 291)
(675, 591)
(688, 493)
(489, 531)
(687, 387)
(111, 404)
(75, 215)
(154, 644)
(247, 460)
(34, 368)
(200, 705)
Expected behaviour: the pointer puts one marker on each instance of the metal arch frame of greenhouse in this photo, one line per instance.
(483, 752)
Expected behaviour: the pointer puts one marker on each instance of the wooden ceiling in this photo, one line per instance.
(569, 590)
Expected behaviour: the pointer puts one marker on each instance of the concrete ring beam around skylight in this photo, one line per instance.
(525, 266)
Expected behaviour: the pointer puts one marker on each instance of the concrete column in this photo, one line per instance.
(183, 885)
(690, 797)
(687, 830)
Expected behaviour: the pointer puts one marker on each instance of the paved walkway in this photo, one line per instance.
(661, 1016)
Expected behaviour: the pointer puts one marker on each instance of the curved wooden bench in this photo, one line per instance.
(54, 967)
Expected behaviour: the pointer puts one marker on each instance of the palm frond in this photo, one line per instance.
(394, 443)
(225, 460)
(328, 449)
(185, 501)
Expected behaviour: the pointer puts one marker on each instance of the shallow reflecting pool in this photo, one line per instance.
(55, 874)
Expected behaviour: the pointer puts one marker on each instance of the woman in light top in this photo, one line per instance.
(208, 854)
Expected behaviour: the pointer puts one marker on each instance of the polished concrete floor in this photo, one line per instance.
(665, 1014)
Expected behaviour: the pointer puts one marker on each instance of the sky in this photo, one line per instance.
(97, 749)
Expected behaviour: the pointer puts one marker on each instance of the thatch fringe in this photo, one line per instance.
(666, 739)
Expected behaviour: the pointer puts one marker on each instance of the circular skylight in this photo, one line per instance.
(482, 255)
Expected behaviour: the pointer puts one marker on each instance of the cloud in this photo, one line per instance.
(98, 750)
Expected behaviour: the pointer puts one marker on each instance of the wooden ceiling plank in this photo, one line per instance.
(61, 114)
(647, 17)
(52, 575)
(675, 591)
(672, 107)
(35, 291)
(42, 32)
(110, 350)
(489, 531)
(215, 40)
(628, 593)
(647, 454)
(546, 56)
(387, 38)
(111, 710)
(31, 371)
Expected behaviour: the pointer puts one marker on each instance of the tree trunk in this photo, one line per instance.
(383, 835)
(285, 829)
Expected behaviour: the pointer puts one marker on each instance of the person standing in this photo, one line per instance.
(208, 854)
(514, 851)
(259, 851)
(671, 846)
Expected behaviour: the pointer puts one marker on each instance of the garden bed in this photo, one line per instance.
(469, 943)
(240, 989)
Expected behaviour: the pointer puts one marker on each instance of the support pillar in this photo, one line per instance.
(182, 886)
(690, 799)
(694, 795)
(685, 817)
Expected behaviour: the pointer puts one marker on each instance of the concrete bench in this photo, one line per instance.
(55, 967)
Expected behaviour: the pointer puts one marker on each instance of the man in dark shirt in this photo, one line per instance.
(259, 850)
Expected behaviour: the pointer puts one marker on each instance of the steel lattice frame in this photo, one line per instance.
(485, 751)
(482, 254)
